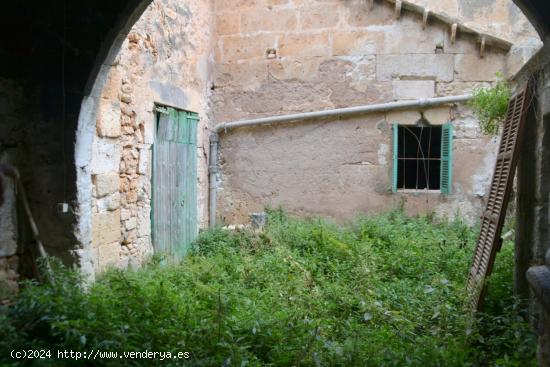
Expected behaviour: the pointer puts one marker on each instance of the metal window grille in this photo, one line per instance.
(422, 157)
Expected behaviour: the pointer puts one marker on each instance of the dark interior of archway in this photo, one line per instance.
(48, 53)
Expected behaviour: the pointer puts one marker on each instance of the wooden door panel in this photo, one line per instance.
(175, 223)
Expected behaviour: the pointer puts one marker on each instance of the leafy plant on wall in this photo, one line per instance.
(490, 105)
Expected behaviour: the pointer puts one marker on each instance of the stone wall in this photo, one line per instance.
(280, 57)
(164, 60)
(11, 135)
(496, 17)
(231, 60)
(533, 203)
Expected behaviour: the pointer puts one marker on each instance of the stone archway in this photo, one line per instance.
(87, 126)
(52, 55)
(538, 13)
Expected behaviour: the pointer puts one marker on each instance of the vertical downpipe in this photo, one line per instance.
(213, 169)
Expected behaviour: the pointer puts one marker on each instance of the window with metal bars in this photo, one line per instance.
(422, 157)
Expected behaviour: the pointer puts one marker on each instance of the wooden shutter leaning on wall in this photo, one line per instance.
(492, 221)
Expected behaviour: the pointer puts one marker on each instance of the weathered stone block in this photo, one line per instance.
(270, 3)
(268, 20)
(358, 15)
(131, 197)
(321, 16)
(448, 7)
(357, 42)
(126, 98)
(106, 183)
(129, 239)
(144, 222)
(464, 44)
(109, 203)
(125, 214)
(363, 76)
(484, 9)
(246, 47)
(130, 224)
(458, 87)
(112, 85)
(403, 117)
(421, 66)
(127, 88)
(413, 89)
(108, 119)
(247, 75)
(105, 156)
(144, 159)
(128, 130)
(228, 23)
(438, 115)
(148, 130)
(105, 228)
(407, 37)
(234, 4)
(295, 68)
(472, 68)
(305, 45)
(108, 255)
(127, 110)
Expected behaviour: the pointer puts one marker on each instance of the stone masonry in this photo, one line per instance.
(11, 110)
(164, 61)
(231, 60)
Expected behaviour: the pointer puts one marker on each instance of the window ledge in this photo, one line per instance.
(418, 191)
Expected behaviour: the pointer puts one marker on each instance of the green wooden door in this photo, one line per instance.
(174, 184)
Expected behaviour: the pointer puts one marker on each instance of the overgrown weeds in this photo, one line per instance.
(491, 104)
(385, 291)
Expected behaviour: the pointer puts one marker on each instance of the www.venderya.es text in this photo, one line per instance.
(95, 354)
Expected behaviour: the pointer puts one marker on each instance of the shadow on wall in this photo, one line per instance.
(44, 69)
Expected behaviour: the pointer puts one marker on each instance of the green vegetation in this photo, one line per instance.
(384, 291)
(490, 105)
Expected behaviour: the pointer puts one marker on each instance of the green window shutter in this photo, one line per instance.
(446, 158)
(395, 129)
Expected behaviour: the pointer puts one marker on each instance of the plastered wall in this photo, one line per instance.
(280, 57)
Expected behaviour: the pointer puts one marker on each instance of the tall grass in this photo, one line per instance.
(385, 291)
